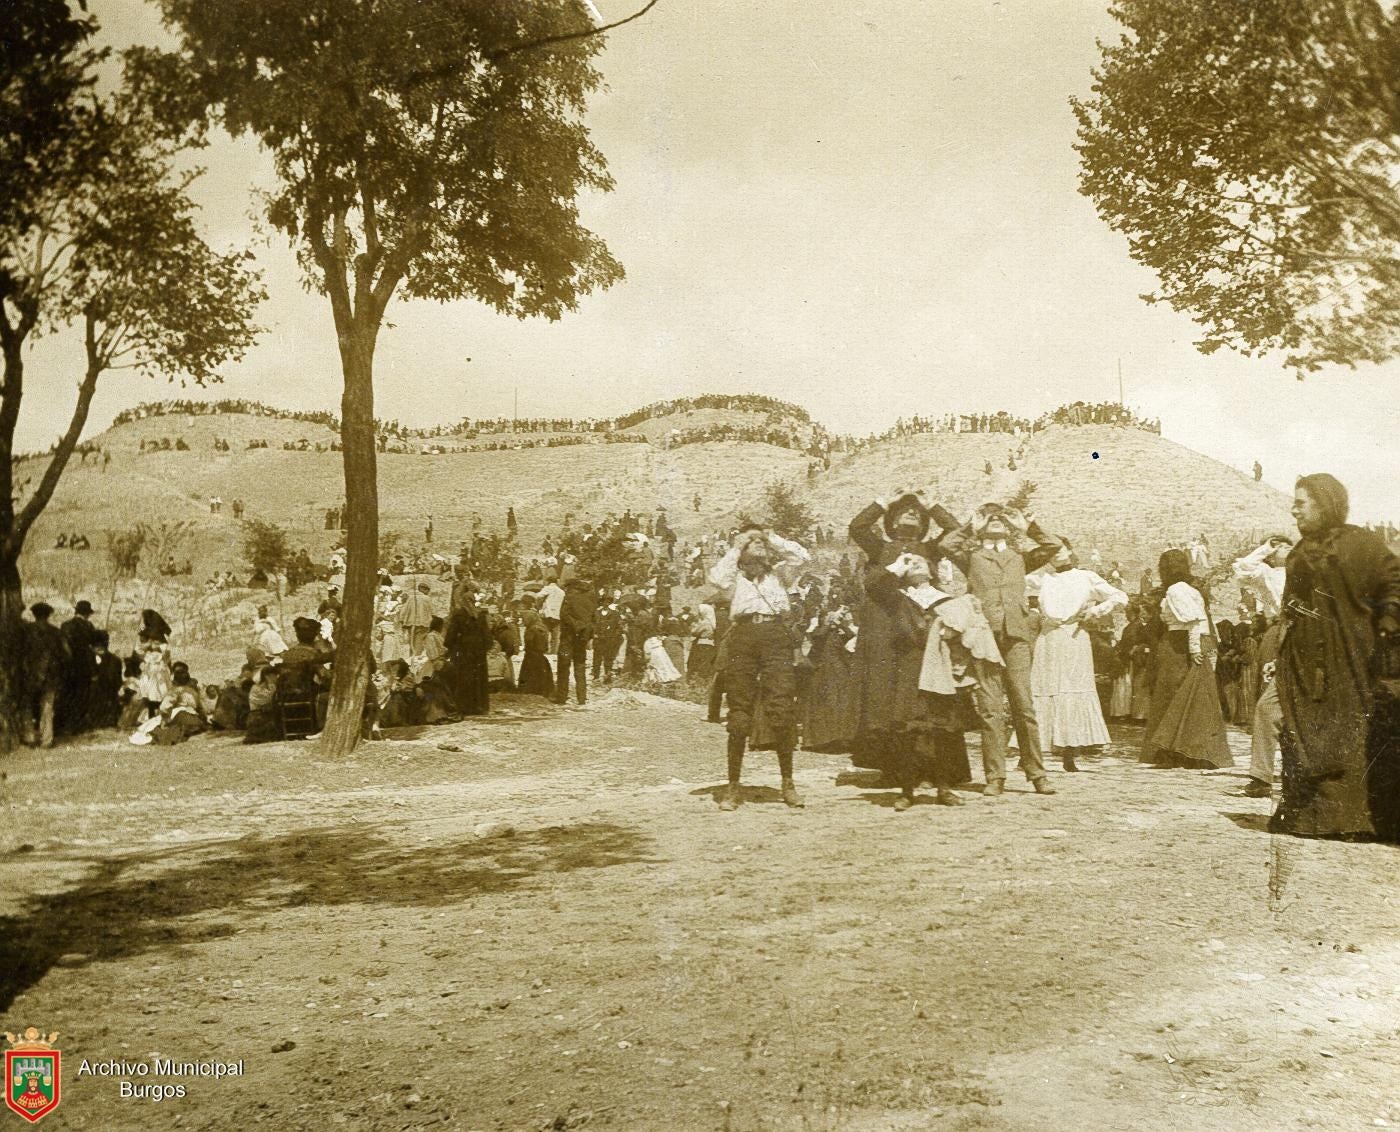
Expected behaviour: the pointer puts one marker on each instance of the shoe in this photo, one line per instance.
(902, 803)
(790, 795)
(1042, 786)
(1257, 788)
(946, 797)
(730, 801)
(1069, 763)
(993, 788)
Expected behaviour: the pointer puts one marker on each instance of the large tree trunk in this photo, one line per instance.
(352, 651)
(12, 707)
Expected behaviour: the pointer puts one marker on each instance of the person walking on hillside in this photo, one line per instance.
(577, 616)
(984, 551)
(759, 661)
(1337, 674)
(1258, 471)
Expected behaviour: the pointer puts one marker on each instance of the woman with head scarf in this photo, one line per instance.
(1184, 725)
(467, 640)
(1341, 616)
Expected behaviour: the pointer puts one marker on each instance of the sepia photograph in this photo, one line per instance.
(719, 565)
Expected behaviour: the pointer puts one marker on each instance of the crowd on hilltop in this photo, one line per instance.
(227, 406)
(785, 426)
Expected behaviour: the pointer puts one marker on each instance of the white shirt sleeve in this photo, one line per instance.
(726, 570)
(1252, 564)
(792, 553)
(1104, 596)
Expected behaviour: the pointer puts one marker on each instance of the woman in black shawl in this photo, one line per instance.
(1341, 616)
(468, 640)
(884, 531)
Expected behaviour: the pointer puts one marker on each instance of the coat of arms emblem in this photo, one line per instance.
(31, 1074)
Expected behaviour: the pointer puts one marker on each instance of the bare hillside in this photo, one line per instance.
(1123, 490)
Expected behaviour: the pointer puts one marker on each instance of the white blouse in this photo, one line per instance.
(1070, 593)
(1183, 606)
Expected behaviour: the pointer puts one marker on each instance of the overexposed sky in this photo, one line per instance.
(869, 208)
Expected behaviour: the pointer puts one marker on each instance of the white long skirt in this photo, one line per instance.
(1067, 705)
(660, 669)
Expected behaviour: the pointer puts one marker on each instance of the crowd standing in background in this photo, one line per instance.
(880, 658)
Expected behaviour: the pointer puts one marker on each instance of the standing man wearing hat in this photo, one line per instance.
(45, 663)
(577, 614)
(760, 655)
(80, 634)
(984, 550)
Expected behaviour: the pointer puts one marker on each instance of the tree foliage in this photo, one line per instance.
(97, 238)
(1248, 149)
(422, 147)
(785, 514)
(265, 546)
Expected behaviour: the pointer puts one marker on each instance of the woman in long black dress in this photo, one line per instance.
(1336, 683)
(1185, 727)
(536, 677)
(885, 531)
(468, 640)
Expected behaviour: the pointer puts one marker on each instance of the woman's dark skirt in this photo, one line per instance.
(1185, 727)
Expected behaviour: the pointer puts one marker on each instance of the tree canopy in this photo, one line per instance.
(430, 147)
(1248, 149)
(98, 237)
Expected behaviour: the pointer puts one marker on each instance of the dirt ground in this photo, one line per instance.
(542, 920)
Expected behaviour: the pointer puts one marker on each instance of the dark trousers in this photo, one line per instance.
(604, 656)
(573, 653)
(760, 666)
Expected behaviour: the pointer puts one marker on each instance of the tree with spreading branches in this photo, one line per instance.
(1249, 150)
(98, 242)
(430, 149)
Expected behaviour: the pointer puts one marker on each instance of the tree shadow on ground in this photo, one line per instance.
(146, 901)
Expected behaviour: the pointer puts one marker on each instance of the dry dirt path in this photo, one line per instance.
(554, 927)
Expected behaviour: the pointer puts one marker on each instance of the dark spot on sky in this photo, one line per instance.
(1096, 455)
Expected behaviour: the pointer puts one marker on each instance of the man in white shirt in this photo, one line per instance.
(551, 602)
(1263, 572)
(760, 650)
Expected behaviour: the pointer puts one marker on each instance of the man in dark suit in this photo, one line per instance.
(80, 634)
(45, 666)
(577, 615)
(985, 551)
